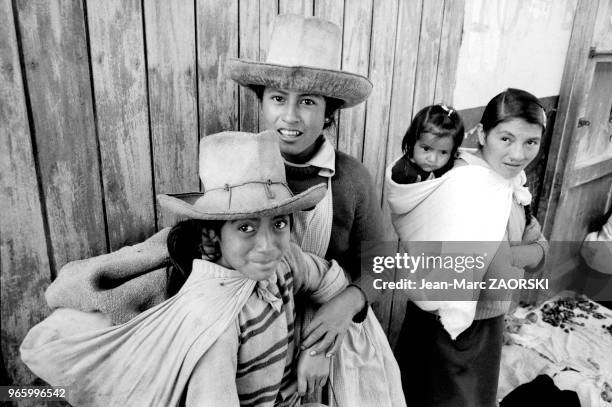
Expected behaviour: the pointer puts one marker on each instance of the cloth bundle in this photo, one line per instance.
(466, 211)
(120, 284)
(143, 361)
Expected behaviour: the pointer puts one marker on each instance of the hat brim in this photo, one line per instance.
(182, 205)
(351, 88)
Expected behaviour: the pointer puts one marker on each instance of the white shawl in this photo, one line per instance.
(468, 204)
(146, 361)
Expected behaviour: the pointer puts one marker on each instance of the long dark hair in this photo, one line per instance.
(441, 120)
(184, 245)
(513, 104)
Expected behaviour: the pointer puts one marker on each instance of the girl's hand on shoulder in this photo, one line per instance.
(327, 329)
(312, 372)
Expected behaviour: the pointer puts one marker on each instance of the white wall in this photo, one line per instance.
(512, 43)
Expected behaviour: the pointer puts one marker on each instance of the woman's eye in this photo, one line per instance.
(246, 228)
(277, 99)
(505, 139)
(533, 142)
(444, 152)
(425, 148)
(308, 102)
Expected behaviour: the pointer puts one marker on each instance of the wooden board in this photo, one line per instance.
(119, 77)
(382, 51)
(268, 10)
(24, 264)
(217, 40)
(571, 96)
(331, 10)
(171, 63)
(402, 91)
(303, 7)
(448, 57)
(355, 58)
(58, 78)
(382, 54)
(429, 50)
(249, 32)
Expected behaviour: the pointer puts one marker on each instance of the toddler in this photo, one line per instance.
(429, 145)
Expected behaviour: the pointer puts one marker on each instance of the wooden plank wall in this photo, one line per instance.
(102, 105)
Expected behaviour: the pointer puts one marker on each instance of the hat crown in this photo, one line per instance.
(305, 41)
(233, 158)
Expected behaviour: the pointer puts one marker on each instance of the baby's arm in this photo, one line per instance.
(213, 381)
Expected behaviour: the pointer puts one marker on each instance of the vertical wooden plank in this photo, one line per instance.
(217, 40)
(119, 75)
(170, 33)
(402, 91)
(404, 74)
(450, 42)
(249, 30)
(57, 71)
(331, 10)
(355, 58)
(303, 7)
(429, 48)
(571, 97)
(24, 263)
(382, 54)
(268, 10)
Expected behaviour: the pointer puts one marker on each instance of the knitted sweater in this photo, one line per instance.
(357, 214)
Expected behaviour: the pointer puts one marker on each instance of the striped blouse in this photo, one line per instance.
(254, 362)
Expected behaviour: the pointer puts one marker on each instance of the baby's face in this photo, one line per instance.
(432, 152)
(254, 246)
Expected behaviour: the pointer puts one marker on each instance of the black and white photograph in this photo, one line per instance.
(324, 203)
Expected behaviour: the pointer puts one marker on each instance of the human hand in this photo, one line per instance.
(312, 372)
(331, 321)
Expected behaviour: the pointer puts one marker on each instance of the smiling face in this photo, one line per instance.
(510, 146)
(298, 119)
(432, 152)
(255, 246)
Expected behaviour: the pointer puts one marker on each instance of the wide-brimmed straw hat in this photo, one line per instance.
(304, 55)
(243, 176)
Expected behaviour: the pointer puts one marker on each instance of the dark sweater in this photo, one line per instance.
(357, 214)
(406, 172)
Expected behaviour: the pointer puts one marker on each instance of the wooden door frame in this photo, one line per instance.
(574, 90)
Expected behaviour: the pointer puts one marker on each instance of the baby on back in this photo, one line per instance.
(429, 145)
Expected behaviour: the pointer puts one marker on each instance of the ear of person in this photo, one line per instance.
(481, 134)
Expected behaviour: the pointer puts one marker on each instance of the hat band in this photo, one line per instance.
(242, 197)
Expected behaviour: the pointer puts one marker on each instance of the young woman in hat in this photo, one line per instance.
(300, 87)
(226, 337)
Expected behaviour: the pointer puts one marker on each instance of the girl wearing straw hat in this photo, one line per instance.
(300, 87)
(227, 336)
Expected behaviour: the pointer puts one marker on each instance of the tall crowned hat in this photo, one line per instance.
(243, 176)
(304, 55)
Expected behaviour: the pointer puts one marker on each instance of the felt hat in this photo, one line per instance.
(243, 176)
(304, 55)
